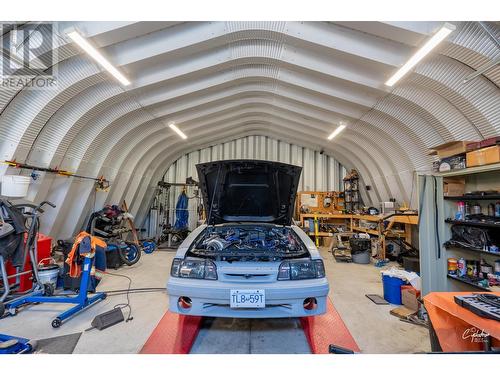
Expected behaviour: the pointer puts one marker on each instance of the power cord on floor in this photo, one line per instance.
(119, 292)
(124, 305)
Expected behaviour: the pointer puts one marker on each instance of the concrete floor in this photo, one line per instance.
(373, 328)
(371, 325)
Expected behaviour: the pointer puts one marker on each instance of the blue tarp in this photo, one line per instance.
(181, 212)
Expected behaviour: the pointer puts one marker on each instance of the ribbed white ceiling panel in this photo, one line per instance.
(103, 34)
(219, 81)
(448, 116)
(473, 46)
(32, 108)
(478, 100)
(60, 130)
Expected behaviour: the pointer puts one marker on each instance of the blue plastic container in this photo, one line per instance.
(392, 289)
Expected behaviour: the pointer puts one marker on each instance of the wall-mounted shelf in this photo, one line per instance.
(474, 250)
(366, 230)
(465, 281)
(472, 170)
(321, 234)
(473, 223)
(473, 197)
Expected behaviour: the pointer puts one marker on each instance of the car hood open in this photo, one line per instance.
(248, 191)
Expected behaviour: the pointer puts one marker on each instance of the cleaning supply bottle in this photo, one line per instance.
(462, 268)
(460, 215)
(491, 209)
(497, 209)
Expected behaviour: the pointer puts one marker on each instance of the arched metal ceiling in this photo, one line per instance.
(221, 80)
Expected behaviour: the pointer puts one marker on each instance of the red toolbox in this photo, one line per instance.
(44, 248)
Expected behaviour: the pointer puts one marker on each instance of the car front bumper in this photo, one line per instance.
(283, 298)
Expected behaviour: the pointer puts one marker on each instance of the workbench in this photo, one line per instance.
(352, 222)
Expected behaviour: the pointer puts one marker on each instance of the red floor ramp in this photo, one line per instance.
(174, 334)
(326, 329)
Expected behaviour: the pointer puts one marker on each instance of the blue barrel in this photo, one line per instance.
(392, 289)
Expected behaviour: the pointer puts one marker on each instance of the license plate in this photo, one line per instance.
(247, 298)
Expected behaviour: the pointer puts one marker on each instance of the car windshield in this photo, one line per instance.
(248, 242)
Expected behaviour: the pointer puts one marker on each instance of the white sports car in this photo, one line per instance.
(248, 260)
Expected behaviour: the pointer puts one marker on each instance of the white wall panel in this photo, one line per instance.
(320, 172)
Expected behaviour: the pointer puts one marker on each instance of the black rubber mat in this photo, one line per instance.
(376, 299)
(58, 345)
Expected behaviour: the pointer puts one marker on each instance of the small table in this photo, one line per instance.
(458, 329)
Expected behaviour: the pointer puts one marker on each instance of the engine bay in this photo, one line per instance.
(248, 243)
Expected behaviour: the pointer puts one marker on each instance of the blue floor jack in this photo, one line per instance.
(81, 301)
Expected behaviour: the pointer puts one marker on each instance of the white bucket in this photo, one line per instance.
(48, 274)
(15, 186)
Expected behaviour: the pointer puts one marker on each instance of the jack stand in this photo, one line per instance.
(82, 301)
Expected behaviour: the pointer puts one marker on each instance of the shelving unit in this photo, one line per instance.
(365, 230)
(334, 219)
(475, 250)
(470, 171)
(351, 193)
(465, 281)
(352, 223)
(474, 197)
(473, 223)
(437, 218)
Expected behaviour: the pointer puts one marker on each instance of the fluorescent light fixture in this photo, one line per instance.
(336, 132)
(177, 130)
(97, 56)
(421, 53)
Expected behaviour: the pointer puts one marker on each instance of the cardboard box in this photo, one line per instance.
(490, 142)
(484, 156)
(454, 187)
(409, 296)
(450, 149)
(473, 146)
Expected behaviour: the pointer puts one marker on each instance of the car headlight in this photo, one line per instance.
(301, 269)
(191, 268)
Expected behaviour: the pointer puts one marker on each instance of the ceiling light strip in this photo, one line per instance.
(177, 130)
(97, 56)
(421, 53)
(336, 132)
